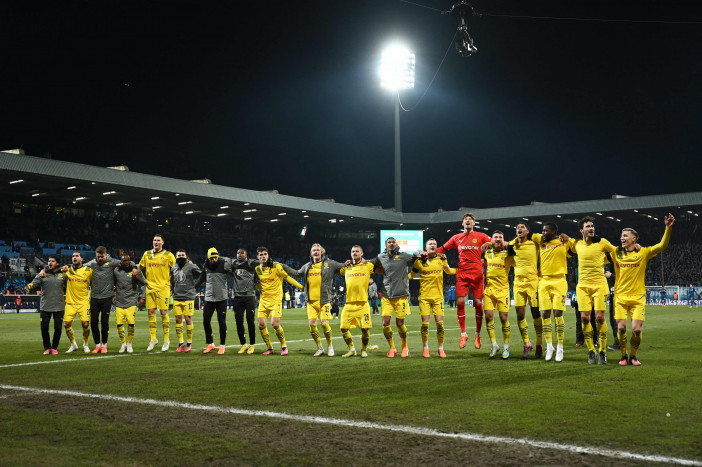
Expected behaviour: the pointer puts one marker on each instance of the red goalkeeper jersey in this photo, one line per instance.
(468, 246)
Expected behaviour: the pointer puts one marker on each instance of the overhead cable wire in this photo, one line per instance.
(432, 79)
(603, 20)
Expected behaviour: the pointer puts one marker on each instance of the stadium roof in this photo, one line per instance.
(48, 180)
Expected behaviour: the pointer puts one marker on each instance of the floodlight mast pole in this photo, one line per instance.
(398, 159)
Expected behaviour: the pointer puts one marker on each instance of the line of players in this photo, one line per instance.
(540, 268)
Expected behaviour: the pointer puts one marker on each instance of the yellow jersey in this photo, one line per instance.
(431, 276)
(78, 286)
(158, 269)
(498, 266)
(357, 278)
(553, 255)
(591, 260)
(526, 260)
(314, 282)
(272, 282)
(630, 267)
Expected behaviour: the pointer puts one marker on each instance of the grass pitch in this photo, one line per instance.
(653, 409)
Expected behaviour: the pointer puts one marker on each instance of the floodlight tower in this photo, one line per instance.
(396, 73)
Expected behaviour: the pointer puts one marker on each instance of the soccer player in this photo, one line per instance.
(271, 276)
(553, 286)
(664, 296)
(244, 300)
(158, 263)
(630, 287)
(78, 301)
(691, 296)
(215, 271)
(592, 289)
(470, 274)
(52, 303)
(185, 275)
(395, 265)
(431, 293)
(127, 280)
(499, 259)
(319, 279)
(101, 295)
(526, 284)
(357, 310)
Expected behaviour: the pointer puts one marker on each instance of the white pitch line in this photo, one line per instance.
(368, 425)
(100, 357)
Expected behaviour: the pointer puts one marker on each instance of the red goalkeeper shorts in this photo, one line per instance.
(474, 282)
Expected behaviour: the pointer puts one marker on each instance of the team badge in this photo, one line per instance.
(475, 240)
(326, 265)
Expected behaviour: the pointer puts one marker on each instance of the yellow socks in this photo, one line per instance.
(491, 330)
(538, 327)
(402, 331)
(440, 333)
(166, 323)
(506, 331)
(130, 333)
(69, 334)
(120, 333)
(523, 330)
(602, 334)
(315, 335)
(348, 339)
(365, 339)
(152, 327)
(179, 331)
(387, 331)
(547, 330)
(86, 335)
(266, 338)
(621, 337)
(327, 333)
(189, 331)
(425, 333)
(281, 336)
(560, 329)
(587, 332)
(635, 343)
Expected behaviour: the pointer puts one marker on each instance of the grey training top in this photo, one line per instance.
(53, 287)
(127, 293)
(244, 272)
(395, 267)
(103, 281)
(215, 279)
(184, 280)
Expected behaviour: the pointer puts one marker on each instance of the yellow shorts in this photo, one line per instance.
(270, 310)
(125, 313)
(427, 306)
(399, 305)
(526, 292)
(628, 306)
(592, 294)
(496, 301)
(157, 299)
(356, 314)
(83, 310)
(318, 311)
(552, 293)
(184, 307)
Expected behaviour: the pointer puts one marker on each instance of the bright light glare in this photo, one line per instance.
(397, 68)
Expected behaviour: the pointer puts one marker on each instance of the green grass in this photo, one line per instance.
(571, 402)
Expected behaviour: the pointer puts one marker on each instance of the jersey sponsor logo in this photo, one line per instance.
(314, 274)
(355, 274)
(550, 247)
(76, 279)
(151, 265)
(426, 272)
(494, 265)
(630, 265)
(467, 247)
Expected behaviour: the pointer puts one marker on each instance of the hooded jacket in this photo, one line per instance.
(395, 266)
(52, 288)
(215, 278)
(329, 268)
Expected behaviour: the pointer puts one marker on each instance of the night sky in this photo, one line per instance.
(286, 96)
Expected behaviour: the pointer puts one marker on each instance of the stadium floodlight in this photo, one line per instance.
(397, 72)
(397, 65)
(16, 181)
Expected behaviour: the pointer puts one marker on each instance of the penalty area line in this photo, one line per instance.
(365, 425)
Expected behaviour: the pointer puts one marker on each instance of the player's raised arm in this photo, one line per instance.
(663, 244)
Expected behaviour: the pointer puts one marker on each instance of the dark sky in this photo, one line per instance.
(286, 96)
